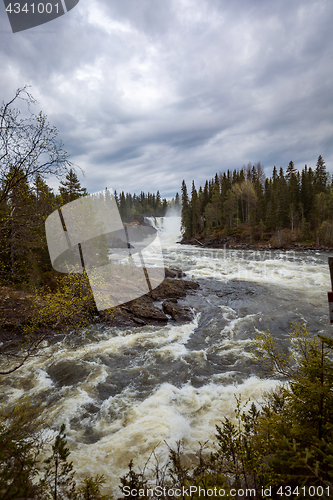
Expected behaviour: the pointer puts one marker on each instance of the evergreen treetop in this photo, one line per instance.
(70, 189)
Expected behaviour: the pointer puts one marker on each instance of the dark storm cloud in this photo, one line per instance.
(147, 93)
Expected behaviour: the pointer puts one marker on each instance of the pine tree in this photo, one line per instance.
(293, 194)
(282, 201)
(20, 446)
(21, 235)
(70, 189)
(123, 207)
(275, 174)
(290, 170)
(258, 205)
(272, 201)
(45, 204)
(320, 176)
(225, 186)
(59, 475)
(90, 489)
(205, 196)
(186, 212)
(5, 213)
(177, 201)
(230, 207)
(307, 192)
(290, 200)
(164, 207)
(116, 198)
(216, 204)
(158, 203)
(267, 203)
(299, 416)
(195, 216)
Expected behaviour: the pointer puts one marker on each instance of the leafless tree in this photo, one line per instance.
(28, 145)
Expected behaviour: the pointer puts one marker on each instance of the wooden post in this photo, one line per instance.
(330, 294)
(330, 263)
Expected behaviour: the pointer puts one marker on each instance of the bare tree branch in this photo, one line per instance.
(28, 146)
(31, 351)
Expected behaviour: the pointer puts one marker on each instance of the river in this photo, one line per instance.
(121, 392)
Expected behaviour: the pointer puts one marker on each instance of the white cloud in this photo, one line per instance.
(147, 93)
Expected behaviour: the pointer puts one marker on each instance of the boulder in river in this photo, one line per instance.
(147, 310)
(176, 311)
(174, 273)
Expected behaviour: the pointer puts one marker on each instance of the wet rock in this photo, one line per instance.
(171, 288)
(120, 318)
(139, 321)
(174, 273)
(176, 311)
(146, 310)
(143, 311)
(140, 312)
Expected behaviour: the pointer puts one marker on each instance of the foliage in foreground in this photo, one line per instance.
(69, 307)
(286, 440)
(20, 445)
(24, 475)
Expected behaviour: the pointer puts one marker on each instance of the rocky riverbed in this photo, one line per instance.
(163, 304)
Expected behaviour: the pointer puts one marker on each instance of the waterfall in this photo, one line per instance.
(168, 228)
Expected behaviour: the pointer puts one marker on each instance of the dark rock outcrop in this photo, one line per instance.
(172, 288)
(174, 273)
(147, 310)
(176, 311)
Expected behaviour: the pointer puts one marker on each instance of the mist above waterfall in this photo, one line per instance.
(168, 227)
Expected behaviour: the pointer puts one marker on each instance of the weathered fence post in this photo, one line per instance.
(330, 294)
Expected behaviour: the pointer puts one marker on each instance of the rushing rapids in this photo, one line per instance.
(121, 392)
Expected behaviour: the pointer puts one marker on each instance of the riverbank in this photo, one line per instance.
(238, 244)
(21, 311)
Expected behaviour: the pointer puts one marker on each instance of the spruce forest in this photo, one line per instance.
(291, 207)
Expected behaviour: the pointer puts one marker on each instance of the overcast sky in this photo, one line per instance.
(146, 93)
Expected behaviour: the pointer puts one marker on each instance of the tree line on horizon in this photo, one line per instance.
(288, 207)
(136, 207)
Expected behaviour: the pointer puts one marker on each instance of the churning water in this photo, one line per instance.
(121, 392)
